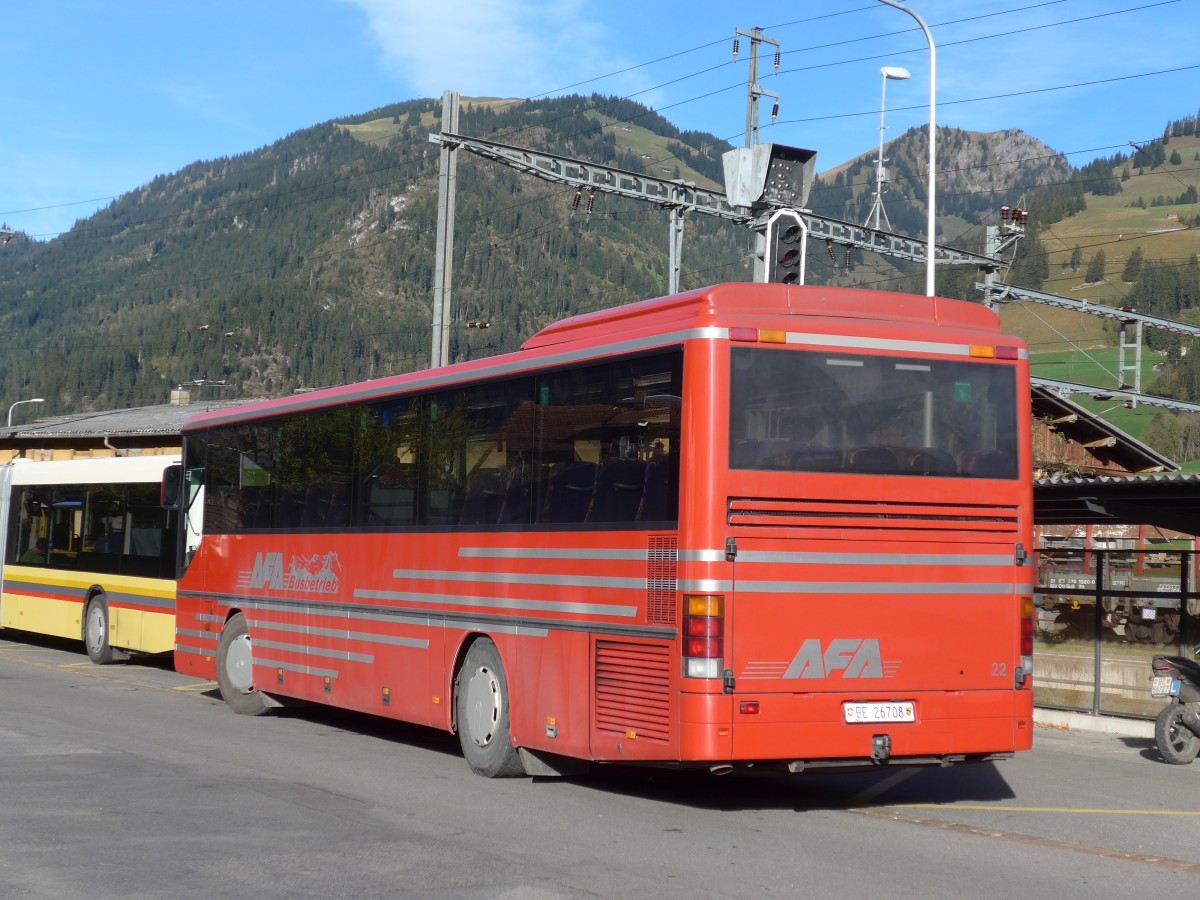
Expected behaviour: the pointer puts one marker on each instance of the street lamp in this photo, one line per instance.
(889, 73)
(931, 223)
(18, 403)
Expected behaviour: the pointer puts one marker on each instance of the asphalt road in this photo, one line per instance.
(131, 781)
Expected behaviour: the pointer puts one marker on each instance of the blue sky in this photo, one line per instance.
(99, 98)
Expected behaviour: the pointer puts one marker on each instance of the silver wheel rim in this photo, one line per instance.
(239, 665)
(483, 706)
(96, 638)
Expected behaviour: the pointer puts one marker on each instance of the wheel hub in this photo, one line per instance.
(239, 665)
(482, 706)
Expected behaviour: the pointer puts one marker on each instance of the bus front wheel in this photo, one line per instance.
(235, 669)
(95, 631)
(482, 711)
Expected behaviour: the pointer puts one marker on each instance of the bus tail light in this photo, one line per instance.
(1026, 670)
(703, 635)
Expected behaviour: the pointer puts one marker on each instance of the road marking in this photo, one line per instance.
(1161, 862)
(1046, 809)
(198, 686)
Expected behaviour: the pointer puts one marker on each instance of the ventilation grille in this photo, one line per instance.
(849, 514)
(633, 689)
(662, 573)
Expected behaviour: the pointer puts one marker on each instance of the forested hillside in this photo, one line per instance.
(310, 262)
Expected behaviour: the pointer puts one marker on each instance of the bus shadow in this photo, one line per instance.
(698, 788)
(418, 736)
(887, 786)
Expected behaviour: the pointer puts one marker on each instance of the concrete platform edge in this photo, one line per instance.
(1078, 721)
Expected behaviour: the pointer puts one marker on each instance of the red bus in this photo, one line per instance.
(746, 525)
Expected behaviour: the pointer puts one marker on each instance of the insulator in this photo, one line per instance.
(849, 260)
(735, 48)
(1024, 217)
(575, 200)
(776, 59)
(1004, 214)
(829, 249)
(591, 203)
(774, 112)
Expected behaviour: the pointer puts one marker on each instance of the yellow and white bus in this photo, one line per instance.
(90, 553)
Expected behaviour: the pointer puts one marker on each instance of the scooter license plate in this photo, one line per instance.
(1164, 686)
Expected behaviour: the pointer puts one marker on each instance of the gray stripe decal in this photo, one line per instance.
(702, 556)
(877, 559)
(303, 670)
(30, 587)
(865, 343)
(596, 609)
(572, 553)
(634, 584)
(414, 643)
(196, 651)
(314, 651)
(853, 559)
(198, 635)
(115, 598)
(867, 587)
(706, 586)
(163, 603)
(500, 623)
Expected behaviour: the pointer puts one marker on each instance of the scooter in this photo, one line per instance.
(1177, 728)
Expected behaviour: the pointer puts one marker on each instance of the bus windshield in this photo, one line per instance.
(816, 411)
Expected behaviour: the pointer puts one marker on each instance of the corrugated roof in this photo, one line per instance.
(142, 421)
(1168, 500)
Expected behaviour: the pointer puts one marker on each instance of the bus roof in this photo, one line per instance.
(729, 302)
(644, 325)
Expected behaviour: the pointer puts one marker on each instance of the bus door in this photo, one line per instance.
(5, 504)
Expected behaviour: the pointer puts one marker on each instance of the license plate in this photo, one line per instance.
(866, 713)
(1163, 686)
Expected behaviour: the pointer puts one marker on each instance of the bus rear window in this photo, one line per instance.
(806, 411)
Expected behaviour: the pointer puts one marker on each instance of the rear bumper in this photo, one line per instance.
(810, 731)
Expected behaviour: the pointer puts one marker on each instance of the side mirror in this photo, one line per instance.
(170, 490)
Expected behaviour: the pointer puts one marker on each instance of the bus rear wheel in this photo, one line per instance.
(95, 631)
(482, 712)
(235, 669)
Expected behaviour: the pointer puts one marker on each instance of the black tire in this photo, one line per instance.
(1176, 742)
(95, 631)
(235, 669)
(482, 713)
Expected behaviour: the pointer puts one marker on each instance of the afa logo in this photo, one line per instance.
(316, 574)
(852, 658)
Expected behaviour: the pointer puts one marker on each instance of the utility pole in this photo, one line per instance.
(754, 89)
(443, 266)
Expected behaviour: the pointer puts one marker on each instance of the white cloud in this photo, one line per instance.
(506, 48)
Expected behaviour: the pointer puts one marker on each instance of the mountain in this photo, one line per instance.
(309, 262)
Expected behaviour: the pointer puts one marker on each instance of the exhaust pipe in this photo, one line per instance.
(1192, 721)
(722, 769)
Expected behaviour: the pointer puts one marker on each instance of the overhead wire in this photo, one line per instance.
(308, 188)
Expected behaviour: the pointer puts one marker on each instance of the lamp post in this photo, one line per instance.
(931, 223)
(18, 403)
(889, 73)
